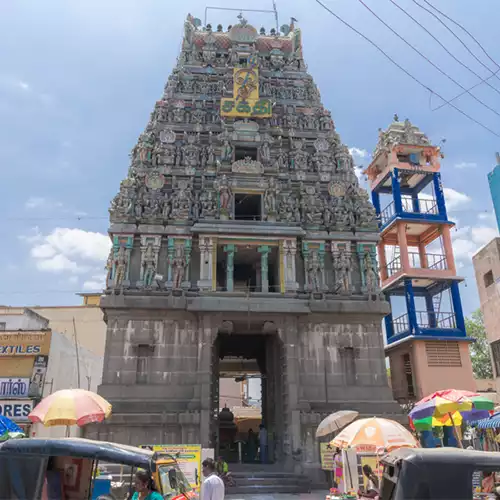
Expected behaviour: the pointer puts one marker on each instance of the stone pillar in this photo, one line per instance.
(170, 258)
(230, 250)
(186, 284)
(288, 279)
(264, 268)
(305, 254)
(206, 246)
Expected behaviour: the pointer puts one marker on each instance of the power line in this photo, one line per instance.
(483, 80)
(428, 60)
(493, 74)
(414, 78)
(456, 36)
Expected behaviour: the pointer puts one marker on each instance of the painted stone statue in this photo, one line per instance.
(225, 196)
(149, 266)
(342, 272)
(178, 267)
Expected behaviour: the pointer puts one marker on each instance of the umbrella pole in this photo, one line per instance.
(460, 444)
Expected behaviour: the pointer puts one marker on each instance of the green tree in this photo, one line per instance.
(480, 349)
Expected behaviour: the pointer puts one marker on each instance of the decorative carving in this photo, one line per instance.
(342, 265)
(182, 199)
(270, 200)
(400, 133)
(314, 271)
(178, 266)
(225, 197)
(247, 166)
(371, 275)
(150, 247)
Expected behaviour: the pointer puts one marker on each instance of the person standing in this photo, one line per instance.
(263, 443)
(213, 486)
(338, 468)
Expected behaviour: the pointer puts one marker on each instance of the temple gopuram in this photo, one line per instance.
(241, 232)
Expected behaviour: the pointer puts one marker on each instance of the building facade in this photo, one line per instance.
(494, 183)
(427, 344)
(36, 361)
(241, 231)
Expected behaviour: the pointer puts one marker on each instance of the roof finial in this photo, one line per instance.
(396, 117)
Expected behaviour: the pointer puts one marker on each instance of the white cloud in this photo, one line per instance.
(488, 216)
(37, 202)
(73, 280)
(68, 249)
(455, 199)
(95, 283)
(24, 85)
(359, 153)
(483, 235)
(466, 164)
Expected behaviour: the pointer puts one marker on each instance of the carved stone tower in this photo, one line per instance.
(241, 231)
(427, 344)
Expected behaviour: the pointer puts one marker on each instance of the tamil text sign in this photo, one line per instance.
(14, 387)
(16, 410)
(24, 344)
(188, 457)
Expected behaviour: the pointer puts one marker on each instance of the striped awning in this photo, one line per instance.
(492, 422)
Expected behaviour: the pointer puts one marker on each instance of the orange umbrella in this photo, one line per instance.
(375, 434)
(71, 407)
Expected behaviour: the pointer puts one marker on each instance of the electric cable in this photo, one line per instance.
(414, 78)
(493, 74)
(427, 59)
(483, 80)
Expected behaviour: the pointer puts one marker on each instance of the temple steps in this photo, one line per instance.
(268, 482)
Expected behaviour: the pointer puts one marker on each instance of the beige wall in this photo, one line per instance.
(428, 379)
(230, 392)
(488, 259)
(90, 326)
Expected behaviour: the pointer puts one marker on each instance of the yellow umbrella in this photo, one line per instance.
(375, 434)
(71, 407)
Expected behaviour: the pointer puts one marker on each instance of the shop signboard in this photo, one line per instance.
(24, 344)
(16, 409)
(13, 387)
(188, 457)
(37, 380)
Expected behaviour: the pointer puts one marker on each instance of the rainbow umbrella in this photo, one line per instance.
(71, 407)
(449, 408)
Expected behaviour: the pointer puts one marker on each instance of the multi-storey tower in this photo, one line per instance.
(426, 339)
(241, 235)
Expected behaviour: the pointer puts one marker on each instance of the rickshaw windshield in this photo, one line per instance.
(173, 481)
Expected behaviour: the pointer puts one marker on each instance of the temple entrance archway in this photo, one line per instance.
(252, 357)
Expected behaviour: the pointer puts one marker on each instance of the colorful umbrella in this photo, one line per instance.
(9, 430)
(71, 407)
(450, 407)
(335, 422)
(375, 434)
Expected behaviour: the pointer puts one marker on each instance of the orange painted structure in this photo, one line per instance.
(426, 337)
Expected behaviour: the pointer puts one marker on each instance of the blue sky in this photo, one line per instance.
(78, 80)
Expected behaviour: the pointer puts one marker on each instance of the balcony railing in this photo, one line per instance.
(426, 206)
(434, 261)
(425, 319)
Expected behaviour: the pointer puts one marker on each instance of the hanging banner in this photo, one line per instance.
(188, 457)
(37, 381)
(16, 410)
(14, 387)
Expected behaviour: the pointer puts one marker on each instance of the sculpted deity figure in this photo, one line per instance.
(265, 153)
(342, 272)
(271, 196)
(227, 151)
(314, 270)
(178, 267)
(121, 262)
(208, 204)
(149, 265)
(109, 267)
(370, 274)
(225, 193)
(182, 201)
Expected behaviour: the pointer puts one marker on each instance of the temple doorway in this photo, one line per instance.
(247, 392)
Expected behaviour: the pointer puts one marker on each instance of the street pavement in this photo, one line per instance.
(315, 495)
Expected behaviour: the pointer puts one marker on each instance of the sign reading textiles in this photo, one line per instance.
(14, 387)
(17, 411)
(24, 344)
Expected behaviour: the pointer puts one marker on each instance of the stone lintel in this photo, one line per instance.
(122, 228)
(243, 228)
(360, 237)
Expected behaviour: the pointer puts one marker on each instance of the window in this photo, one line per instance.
(403, 158)
(495, 351)
(3, 326)
(410, 389)
(247, 206)
(240, 153)
(144, 352)
(488, 279)
(443, 354)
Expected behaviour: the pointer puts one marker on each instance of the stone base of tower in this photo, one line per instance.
(421, 366)
(314, 362)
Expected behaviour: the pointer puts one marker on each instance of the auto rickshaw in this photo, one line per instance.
(440, 474)
(69, 469)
